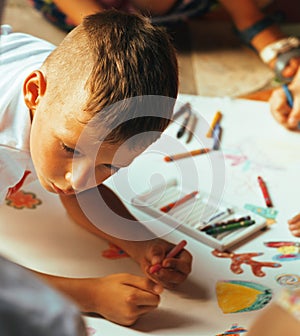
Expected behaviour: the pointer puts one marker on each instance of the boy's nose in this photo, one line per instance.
(82, 177)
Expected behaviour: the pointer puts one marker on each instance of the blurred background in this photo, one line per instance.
(212, 60)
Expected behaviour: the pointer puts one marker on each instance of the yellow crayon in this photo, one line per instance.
(215, 120)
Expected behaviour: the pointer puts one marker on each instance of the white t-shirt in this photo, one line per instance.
(20, 54)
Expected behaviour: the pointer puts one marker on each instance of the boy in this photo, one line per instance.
(80, 125)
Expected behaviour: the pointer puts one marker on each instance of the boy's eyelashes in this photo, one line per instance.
(112, 168)
(68, 149)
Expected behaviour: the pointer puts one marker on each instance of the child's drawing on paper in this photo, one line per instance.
(260, 153)
(22, 199)
(241, 296)
(114, 252)
(287, 250)
(238, 259)
(288, 280)
(235, 330)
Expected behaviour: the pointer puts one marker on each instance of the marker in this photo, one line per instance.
(217, 136)
(231, 221)
(186, 154)
(288, 94)
(215, 120)
(186, 119)
(265, 192)
(173, 253)
(229, 227)
(182, 200)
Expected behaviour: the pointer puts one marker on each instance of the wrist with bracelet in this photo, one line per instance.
(282, 50)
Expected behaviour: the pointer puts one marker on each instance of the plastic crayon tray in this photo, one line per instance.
(193, 215)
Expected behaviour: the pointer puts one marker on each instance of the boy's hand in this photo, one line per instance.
(288, 116)
(122, 298)
(294, 225)
(173, 271)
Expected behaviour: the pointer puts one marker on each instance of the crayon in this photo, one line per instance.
(217, 136)
(186, 154)
(171, 254)
(182, 110)
(181, 131)
(229, 227)
(191, 127)
(231, 221)
(182, 200)
(265, 192)
(215, 120)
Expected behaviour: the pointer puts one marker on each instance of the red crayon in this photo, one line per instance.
(173, 253)
(182, 200)
(265, 192)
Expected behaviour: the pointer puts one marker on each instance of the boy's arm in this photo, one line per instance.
(111, 219)
(107, 217)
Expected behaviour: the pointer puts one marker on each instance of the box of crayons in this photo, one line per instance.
(217, 224)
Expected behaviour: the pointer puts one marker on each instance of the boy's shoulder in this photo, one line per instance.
(25, 44)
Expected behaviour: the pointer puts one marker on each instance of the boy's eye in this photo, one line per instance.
(113, 169)
(70, 150)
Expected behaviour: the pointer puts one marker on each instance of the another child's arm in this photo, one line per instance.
(76, 10)
(246, 14)
(286, 115)
(294, 225)
(278, 318)
(117, 225)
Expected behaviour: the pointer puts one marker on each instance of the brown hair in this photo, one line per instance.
(126, 57)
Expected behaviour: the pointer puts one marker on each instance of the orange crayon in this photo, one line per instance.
(186, 154)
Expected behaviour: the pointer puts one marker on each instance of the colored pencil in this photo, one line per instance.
(288, 94)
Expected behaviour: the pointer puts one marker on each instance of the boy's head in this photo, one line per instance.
(112, 78)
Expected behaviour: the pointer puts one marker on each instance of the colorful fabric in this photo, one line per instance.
(181, 10)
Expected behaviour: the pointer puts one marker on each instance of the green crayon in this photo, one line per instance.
(229, 227)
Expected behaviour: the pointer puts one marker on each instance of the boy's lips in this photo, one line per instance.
(62, 192)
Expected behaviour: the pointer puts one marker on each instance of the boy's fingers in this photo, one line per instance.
(182, 264)
(144, 284)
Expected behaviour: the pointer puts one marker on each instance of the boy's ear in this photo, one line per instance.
(34, 87)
